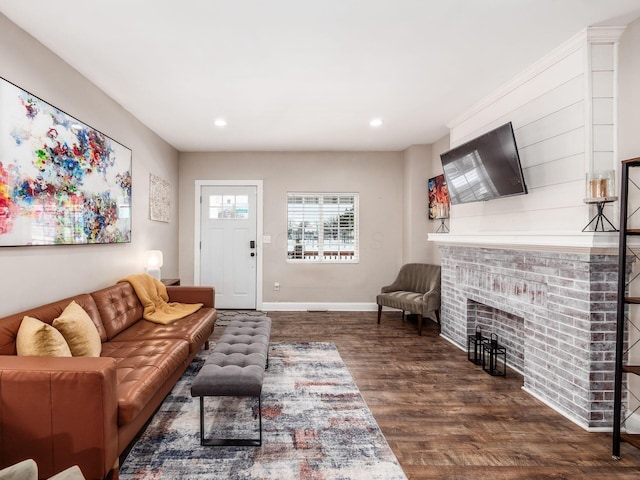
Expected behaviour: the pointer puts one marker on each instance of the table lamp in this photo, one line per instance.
(153, 262)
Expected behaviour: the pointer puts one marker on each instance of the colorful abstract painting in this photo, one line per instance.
(61, 181)
(438, 195)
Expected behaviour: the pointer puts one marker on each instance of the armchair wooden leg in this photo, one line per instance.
(437, 312)
(419, 324)
(379, 313)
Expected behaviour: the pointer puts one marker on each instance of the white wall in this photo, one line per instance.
(31, 276)
(562, 113)
(629, 92)
(629, 147)
(376, 176)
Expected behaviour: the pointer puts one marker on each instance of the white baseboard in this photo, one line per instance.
(319, 306)
(566, 414)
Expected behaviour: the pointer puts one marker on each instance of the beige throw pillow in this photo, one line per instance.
(36, 338)
(79, 331)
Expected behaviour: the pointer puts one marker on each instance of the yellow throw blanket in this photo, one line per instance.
(153, 296)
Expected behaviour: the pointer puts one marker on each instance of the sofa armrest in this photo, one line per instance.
(432, 299)
(204, 295)
(394, 287)
(60, 412)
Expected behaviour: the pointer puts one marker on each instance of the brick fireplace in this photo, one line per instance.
(555, 312)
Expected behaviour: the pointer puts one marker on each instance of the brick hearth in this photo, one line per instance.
(555, 312)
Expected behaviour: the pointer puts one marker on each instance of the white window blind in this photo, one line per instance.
(322, 227)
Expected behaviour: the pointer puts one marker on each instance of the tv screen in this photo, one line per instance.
(484, 168)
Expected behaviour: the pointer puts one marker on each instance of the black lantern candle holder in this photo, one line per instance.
(474, 346)
(494, 357)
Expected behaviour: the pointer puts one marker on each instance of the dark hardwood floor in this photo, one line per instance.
(444, 417)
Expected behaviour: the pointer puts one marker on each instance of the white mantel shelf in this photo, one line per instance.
(605, 242)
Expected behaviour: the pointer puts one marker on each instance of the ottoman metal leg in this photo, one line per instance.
(230, 442)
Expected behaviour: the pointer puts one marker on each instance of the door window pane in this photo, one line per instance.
(229, 207)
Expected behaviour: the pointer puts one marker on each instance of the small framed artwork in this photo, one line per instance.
(438, 197)
(159, 199)
(61, 181)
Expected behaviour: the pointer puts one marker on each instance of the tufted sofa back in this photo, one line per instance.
(119, 308)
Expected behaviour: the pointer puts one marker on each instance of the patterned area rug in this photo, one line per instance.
(225, 316)
(316, 425)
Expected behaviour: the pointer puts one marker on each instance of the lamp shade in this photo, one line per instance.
(153, 262)
(153, 259)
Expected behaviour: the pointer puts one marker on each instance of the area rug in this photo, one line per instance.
(316, 426)
(225, 316)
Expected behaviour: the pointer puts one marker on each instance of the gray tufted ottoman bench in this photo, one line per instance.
(235, 368)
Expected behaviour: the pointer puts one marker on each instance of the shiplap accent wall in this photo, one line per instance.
(603, 60)
(563, 112)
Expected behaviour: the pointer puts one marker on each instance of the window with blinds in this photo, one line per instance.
(322, 227)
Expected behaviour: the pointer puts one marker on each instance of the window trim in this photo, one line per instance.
(320, 258)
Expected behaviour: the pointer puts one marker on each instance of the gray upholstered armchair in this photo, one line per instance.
(415, 290)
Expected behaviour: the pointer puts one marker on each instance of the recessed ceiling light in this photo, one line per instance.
(220, 122)
(376, 122)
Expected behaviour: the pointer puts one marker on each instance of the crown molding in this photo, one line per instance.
(605, 34)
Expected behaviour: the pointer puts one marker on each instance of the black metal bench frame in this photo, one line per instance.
(230, 442)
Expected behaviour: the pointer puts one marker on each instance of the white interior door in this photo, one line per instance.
(228, 247)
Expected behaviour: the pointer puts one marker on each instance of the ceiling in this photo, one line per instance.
(303, 75)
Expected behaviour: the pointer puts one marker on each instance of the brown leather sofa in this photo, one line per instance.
(63, 411)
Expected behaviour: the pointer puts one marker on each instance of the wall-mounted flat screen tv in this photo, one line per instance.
(484, 168)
